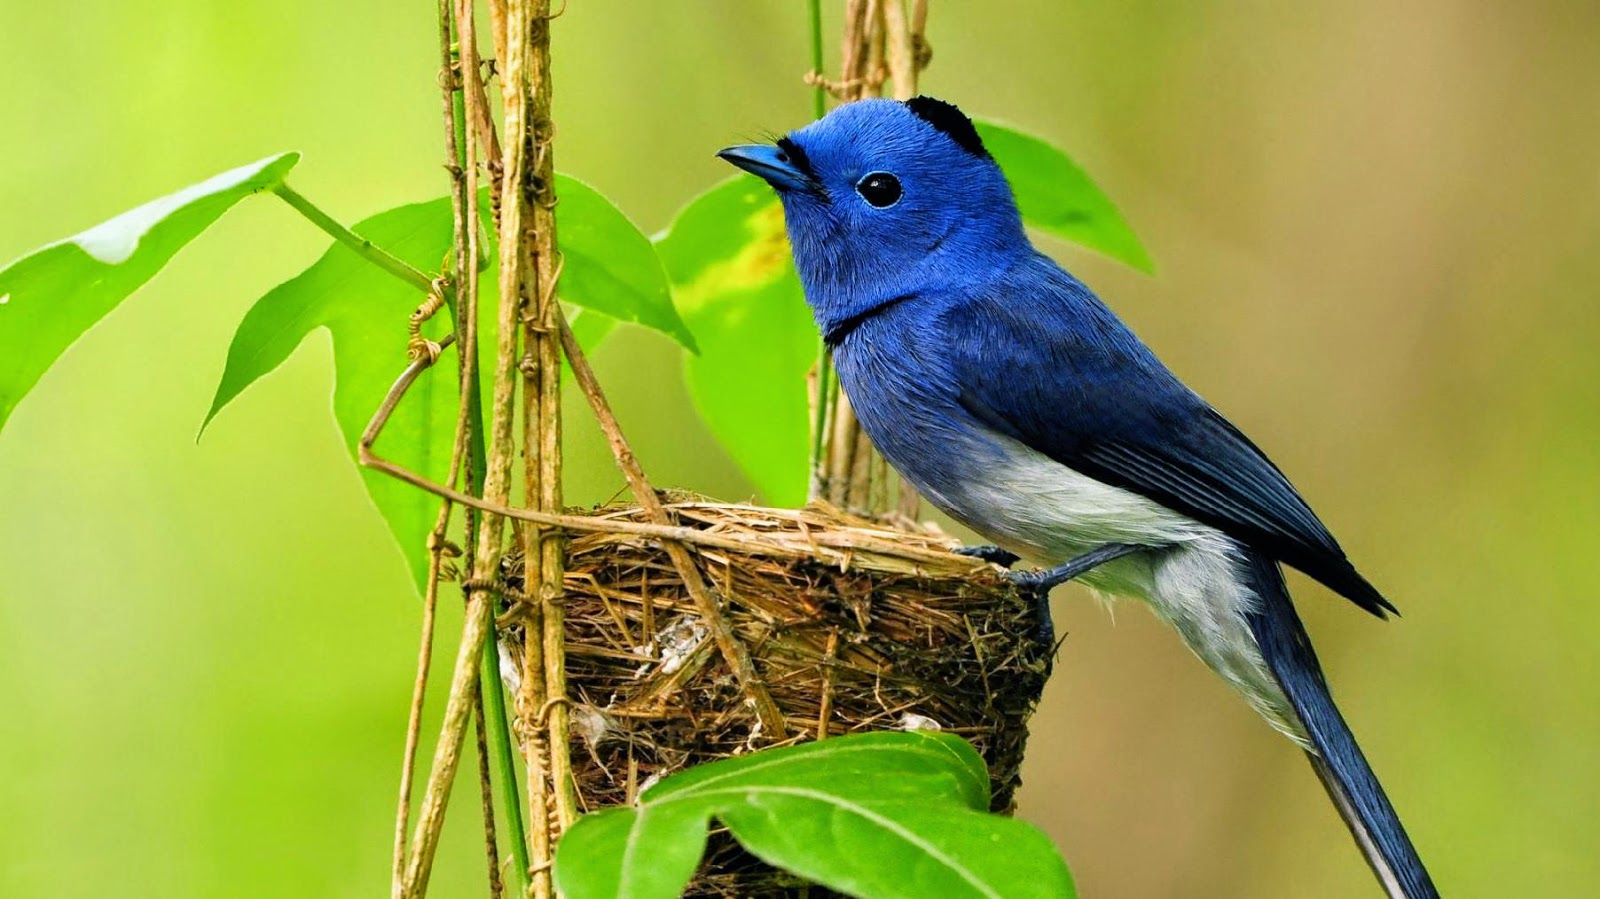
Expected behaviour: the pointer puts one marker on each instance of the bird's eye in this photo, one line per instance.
(881, 189)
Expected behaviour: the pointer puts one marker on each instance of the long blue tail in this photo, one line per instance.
(1338, 760)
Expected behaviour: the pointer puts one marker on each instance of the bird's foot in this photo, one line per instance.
(1028, 584)
(988, 552)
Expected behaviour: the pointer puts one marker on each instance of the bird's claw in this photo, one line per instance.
(1034, 585)
(988, 552)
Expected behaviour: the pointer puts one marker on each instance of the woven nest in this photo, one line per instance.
(853, 624)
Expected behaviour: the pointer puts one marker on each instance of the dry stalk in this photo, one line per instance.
(901, 49)
(543, 331)
(542, 700)
(523, 42)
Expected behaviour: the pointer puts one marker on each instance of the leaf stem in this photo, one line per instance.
(363, 247)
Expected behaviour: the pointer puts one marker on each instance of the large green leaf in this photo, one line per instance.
(49, 297)
(872, 815)
(365, 309)
(735, 283)
(1055, 196)
(609, 266)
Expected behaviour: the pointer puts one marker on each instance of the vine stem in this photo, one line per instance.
(366, 248)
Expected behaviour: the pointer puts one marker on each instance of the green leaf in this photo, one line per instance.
(872, 815)
(365, 309)
(609, 266)
(632, 853)
(1055, 196)
(54, 294)
(735, 283)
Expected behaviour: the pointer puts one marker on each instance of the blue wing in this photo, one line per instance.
(1040, 359)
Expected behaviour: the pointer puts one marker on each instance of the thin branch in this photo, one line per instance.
(366, 248)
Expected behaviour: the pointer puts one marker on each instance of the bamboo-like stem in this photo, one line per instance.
(900, 50)
(543, 417)
(853, 49)
(526, 248)
(728, 643)
(366, 248)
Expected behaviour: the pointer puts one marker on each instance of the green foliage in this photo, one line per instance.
(873, 815)
(608, 264)
(735, 283)
(365, 310)
(51, 296)
(1055, 196)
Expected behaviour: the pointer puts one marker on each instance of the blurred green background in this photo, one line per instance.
(1377, 229)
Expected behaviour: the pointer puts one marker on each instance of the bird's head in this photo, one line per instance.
(883, 199)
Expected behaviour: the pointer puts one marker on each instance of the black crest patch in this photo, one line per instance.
(952, 121)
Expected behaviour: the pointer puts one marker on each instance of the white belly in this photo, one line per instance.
(1049, 513)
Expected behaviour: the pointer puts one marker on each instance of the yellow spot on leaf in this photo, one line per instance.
(761, 260)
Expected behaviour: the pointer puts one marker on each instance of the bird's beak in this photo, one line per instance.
(770, 164)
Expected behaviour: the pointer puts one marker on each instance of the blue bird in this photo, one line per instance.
(1017, 403)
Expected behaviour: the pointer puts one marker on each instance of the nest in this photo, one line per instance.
(853, 624)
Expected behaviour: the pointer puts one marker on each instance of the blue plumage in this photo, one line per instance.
(1015, 401)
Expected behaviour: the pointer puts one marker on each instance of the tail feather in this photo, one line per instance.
(1337, 759)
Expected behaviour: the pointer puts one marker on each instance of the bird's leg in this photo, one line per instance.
(988, 552)
(1045, 579)
(1039, 583)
